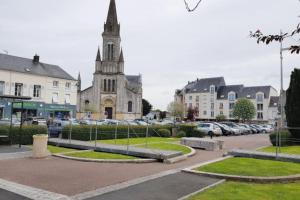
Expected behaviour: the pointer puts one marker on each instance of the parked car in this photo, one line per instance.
(36, 121)
(269, 128)
(247, 129)
(259, 129)
(15, 122)
(209, 129)
(226, 130)
(236, 129)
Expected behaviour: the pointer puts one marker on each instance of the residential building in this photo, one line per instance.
(53, 90)
(211, 97)
(113, 95)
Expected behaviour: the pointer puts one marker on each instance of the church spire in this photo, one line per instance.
(98, 58)
(121, 59)
(79, 82)
(111, 25)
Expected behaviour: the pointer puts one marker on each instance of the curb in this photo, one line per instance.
(252, 179)
(137, 161)
(182, 157)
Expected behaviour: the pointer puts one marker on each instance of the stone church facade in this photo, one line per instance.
(113, 95)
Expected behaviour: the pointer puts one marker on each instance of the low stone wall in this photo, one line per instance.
(264, 155)
(203, 143)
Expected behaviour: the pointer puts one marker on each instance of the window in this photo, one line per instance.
(113, 85)
(221, 106)
(259, 97)
(2, 87)
(260, 107)
(260, 115)
(109, 85)
(197, 105)
(110, 52)
(212, 106)
(18, 89)
(221, 113)
(68, 85)
(197, 98)
(104, 85)
(190, 98)
(55, 84)
(212, 114)
(212, 89)
(129, 106)
(204, 112)
(230, 114)
(55, 97)
(67, 99)
(231, 105)
(231, 96)
(86, 102)
(37, 91)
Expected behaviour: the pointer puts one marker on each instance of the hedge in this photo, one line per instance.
(286, 139)
(27, 133)
(107, 132)
(188, 129)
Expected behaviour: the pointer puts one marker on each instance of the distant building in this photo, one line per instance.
(53, 90)
(211, 97)
(113, 95)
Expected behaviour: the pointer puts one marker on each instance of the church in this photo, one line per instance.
(113, 95)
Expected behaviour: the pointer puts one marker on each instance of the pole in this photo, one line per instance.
(91, 126)
(281, 94)
(147, 132)
(96, 133)
(116, 132)
(10, 127)
(70, 132)
(21, 123)
(128, 135)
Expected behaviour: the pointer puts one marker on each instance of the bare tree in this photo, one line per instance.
(192, 9)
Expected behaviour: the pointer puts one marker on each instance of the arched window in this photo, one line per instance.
(86, 102)
(109, 85)
(129, 106)
(110, 51)
(113, 85)
(104, 85)
(231, 96)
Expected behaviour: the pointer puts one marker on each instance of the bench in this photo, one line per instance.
(203, 143)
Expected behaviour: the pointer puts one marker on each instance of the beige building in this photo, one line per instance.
(113, 95)
(53, 91)
(211, 97)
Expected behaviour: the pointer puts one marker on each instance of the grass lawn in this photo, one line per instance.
(134, 141)
(100, 155)
(252, 167)
(55, 149)
(168, 146)
(247, 191)
(286, 150)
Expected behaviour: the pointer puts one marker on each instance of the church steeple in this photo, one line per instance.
(98, 57)
(121, 59)
(79, 82)
(111, 25)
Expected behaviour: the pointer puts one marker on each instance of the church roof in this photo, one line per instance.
(28, 66)
(98, 57)
(121, 59)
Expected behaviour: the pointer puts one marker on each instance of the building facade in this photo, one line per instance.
(53, 91)
(211, 97)
(113, 95)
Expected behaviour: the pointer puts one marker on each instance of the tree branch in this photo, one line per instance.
(191, 9)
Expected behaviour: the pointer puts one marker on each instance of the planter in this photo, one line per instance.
(40, 143)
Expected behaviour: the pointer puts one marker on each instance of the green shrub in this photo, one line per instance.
(107, 132)
(187, 128)
(164, 133)
(286, 138)
(25, 135)
(181, 134)
(197, 133)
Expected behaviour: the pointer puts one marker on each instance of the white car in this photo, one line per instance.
(209, 128)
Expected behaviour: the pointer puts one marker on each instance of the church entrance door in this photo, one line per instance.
(109, 112)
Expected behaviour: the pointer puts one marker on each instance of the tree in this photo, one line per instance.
(146, 107)
(292, 107)
(244, 109)
(191, 114)
(220, 118)
(194, 8)
(176, 109)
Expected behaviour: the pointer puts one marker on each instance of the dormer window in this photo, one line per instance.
(231, 96)
(212, 89)
(259, 97)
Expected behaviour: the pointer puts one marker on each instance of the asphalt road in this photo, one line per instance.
(5, 195)
(169, 187)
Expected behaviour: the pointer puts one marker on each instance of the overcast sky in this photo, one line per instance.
(160, 39)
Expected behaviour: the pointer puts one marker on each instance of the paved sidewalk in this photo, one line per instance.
(5, 195)
(171, 187)
(14, 152)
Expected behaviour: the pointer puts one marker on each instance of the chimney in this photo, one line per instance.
(36, 59)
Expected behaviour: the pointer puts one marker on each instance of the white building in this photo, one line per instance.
(53, 91)
(211, 97)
